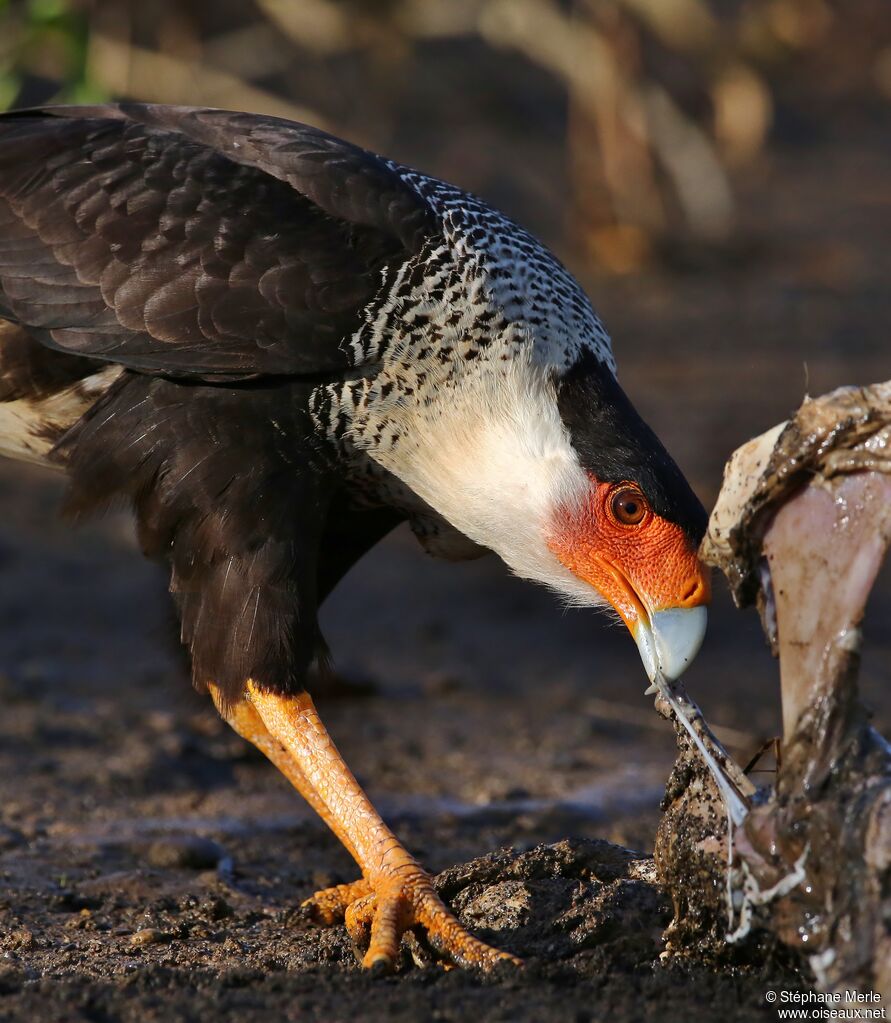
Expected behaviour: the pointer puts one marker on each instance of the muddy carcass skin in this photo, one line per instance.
(800, 529)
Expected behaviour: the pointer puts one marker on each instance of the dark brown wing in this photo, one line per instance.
(196, 243)
(226, 488)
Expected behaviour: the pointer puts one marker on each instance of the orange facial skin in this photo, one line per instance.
(641, 565)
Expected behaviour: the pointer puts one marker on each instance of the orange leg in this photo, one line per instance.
(245, 720)
(396, 893)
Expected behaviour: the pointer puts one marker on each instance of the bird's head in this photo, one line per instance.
(558, 474)
(633, 532)
(644, 564)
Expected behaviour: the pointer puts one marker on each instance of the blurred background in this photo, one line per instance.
(624, 128)
(718, 175)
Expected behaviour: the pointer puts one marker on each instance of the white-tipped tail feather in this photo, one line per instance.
(29, 427)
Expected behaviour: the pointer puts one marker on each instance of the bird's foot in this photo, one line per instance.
(378, 913)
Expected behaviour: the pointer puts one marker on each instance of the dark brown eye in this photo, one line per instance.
(629, 506)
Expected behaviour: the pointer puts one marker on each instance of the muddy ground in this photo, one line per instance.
(151, 862)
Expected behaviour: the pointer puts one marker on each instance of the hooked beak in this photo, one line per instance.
(669, 640)
(656, 583)
(668, 637)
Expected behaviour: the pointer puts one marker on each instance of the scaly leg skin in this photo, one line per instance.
(244, 719)
(396, 894)
(326, 907)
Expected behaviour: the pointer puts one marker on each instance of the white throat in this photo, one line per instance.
(493, 457)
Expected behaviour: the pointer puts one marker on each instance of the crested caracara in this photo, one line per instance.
(277, 346)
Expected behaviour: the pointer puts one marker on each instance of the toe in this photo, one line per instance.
(390, 921)
(358, 918)
(450, 939)
(463, 949)
(328, 906)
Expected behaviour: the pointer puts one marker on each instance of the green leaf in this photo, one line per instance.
(45, 11)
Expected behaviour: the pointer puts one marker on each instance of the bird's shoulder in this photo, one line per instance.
(196, 242)
(222, 245)
(507, 268)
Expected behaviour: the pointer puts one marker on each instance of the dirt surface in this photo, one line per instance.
(151, 863)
